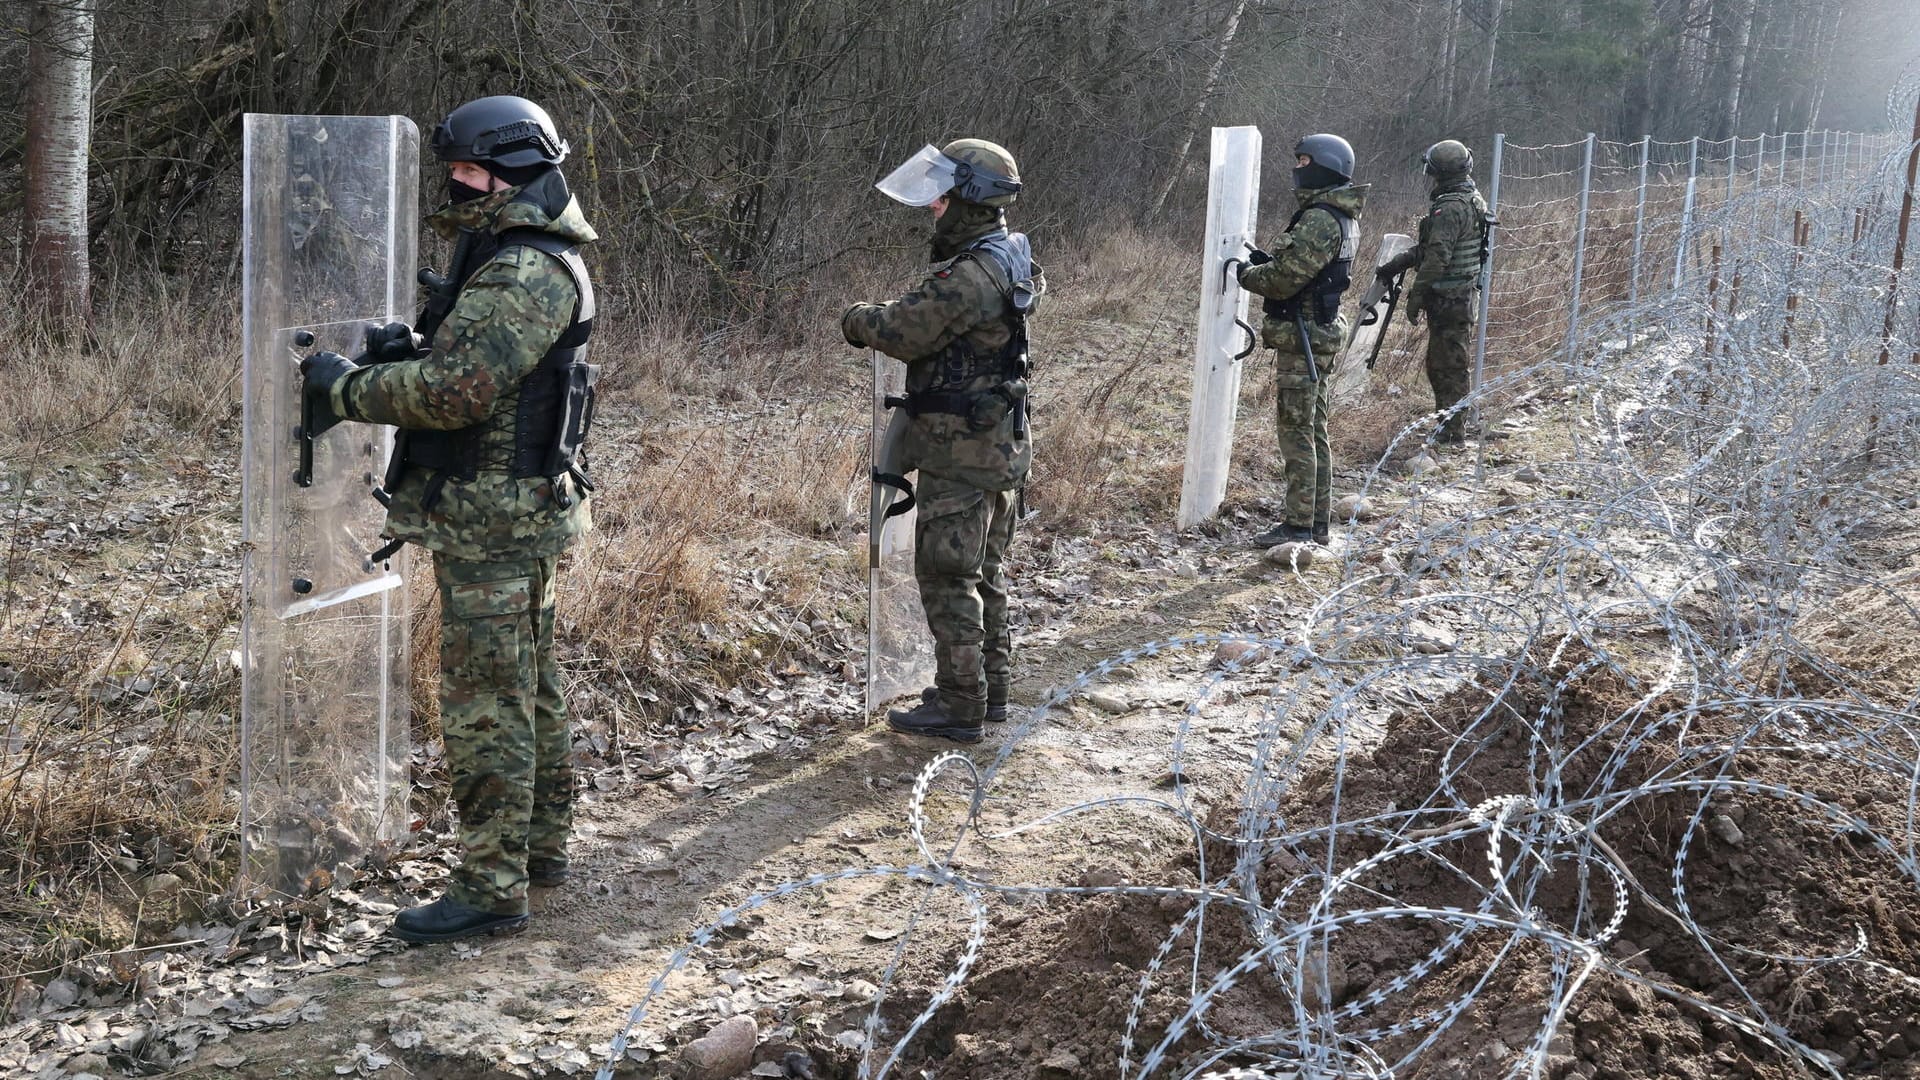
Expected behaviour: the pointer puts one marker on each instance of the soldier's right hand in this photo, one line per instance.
(1255, 257)
(394, 341)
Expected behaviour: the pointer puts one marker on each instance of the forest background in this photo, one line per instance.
(726, 147)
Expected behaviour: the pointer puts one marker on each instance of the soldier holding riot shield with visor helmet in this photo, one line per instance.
(493, 397)
(962, 332)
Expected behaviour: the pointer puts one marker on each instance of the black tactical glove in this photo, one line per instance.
(1255, 257)
(394, 341)
(319, 374)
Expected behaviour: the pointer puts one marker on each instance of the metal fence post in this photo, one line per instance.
(1580, 249)
(1900, 242)
(1803, 157)
(1686, 214)
(1733, 168)
(1826, 138)
(1486, 280)
(1639, 241)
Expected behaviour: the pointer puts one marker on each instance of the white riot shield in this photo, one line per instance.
(1351, 374)
(329, 224)
(1225, 336)
(899, 647)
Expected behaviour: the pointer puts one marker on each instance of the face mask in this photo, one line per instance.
(461, 193)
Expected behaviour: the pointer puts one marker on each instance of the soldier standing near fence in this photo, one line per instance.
(492, 406)
(1447, 261)
(963, 335)
(1302, 280)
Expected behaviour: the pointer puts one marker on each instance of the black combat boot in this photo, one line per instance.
(447, 919)
(1322, 533)
(932, 718)
(1284, 534)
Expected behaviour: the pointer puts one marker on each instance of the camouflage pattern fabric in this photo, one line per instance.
(1301, 411)
(1301, 428)
(505, 726)
(970, 467)
(496, 541)
(1298, 257)
(509, 314)
(1450, 323)
(964, 299)
(960, 544)
(1446, 289)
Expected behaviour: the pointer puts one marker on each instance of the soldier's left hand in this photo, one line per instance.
(319, 374)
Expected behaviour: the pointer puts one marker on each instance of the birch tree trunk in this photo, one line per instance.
(1450, 59)
(1179, 164)
(1740, 33)
(59, 110)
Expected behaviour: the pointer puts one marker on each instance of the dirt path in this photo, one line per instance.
(653, 865)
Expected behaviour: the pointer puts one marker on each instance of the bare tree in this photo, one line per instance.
(59, 110)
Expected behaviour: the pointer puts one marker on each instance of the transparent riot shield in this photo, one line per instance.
(1377, 305)
(899, 647)
(329, 225)
(1225, 337)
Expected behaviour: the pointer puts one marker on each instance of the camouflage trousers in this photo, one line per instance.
(505, 725)
(1450, 322)
(1302, 430)
(960, 539)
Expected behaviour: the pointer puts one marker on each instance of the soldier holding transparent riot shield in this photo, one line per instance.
(493, 397)
(963, 335)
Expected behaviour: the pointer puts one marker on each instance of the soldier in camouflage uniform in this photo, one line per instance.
(962, 333)
(1302, 280)
(487, 475)
(1446, 287)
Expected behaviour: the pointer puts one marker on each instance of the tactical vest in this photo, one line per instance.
(1006, 257)
(1469, 252)
(1323, 293)
(552, 416)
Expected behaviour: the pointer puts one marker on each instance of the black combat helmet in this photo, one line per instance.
(506, 131)
(1331, 162)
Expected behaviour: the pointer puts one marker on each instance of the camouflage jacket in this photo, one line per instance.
(1446, 259)
(961, 308)
(1298, 257)
(510, 312)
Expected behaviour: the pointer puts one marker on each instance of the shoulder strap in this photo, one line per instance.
(568, 253)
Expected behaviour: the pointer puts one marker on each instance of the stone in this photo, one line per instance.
(1060, 1065)
(1527, 474)
(161, 886)
(1110, 701)
(1723, 827)
(1295, 556)
(1231, 652)
(722, 1053)
(1352, 508)
(1422, 463)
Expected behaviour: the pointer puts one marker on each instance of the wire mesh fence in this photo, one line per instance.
(1604, 718)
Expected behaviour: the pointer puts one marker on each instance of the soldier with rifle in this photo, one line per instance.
(1447, 261)
(1301, 281)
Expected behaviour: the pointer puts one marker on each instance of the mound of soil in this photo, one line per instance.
(1760, 913)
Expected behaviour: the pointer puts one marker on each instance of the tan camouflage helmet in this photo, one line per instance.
(990, 178)
(1448, 157)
